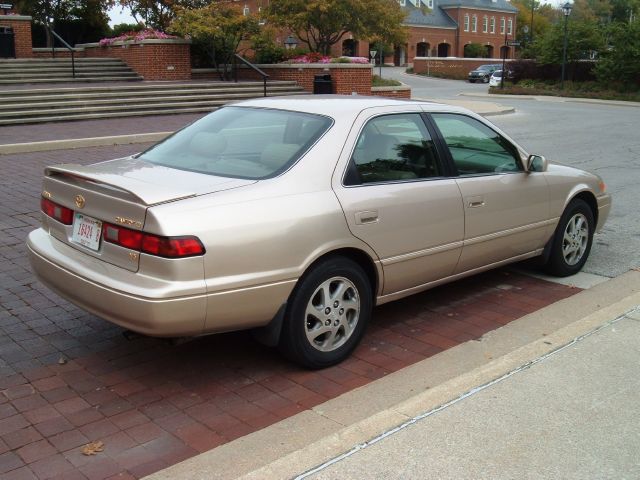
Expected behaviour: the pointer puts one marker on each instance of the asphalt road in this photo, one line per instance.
(600, 138)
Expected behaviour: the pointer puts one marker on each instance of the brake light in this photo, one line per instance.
(169, 247)
(57, 212)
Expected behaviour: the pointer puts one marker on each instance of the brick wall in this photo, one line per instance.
(347, 78)
(153, 59)
(391, 92)
(21, 26)
(450, 67)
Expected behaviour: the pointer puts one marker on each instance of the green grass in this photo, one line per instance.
(377, 81)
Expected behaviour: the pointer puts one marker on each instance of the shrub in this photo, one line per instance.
(135, 36)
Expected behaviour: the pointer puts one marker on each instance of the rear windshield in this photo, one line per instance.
(240, 142)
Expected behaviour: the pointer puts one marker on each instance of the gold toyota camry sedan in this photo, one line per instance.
(296, 216)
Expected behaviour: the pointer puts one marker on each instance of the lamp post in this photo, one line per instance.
(566, 10)
(290, 42)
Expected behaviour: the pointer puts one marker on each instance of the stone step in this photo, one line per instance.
(138, 88)
(89, 113)
(47, 74)
(63, 69)
(70, 79)
(136, 99)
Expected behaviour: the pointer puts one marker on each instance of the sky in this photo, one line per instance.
(119, 15)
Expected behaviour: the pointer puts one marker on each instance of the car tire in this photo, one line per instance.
(572, 240)
(327, 314)
(472, 81)
(485, 79)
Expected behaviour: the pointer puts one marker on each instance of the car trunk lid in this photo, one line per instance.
(119, 192)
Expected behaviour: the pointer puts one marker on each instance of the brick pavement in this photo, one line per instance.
(68, 378)
(40, 132)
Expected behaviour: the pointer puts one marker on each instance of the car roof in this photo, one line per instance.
(335, 105)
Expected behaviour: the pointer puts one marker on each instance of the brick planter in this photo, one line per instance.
(402, 91)
(450, 67)
(21, 26)
(347, 77)
(153, 59)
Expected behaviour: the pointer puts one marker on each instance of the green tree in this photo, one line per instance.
(620, 62)
(323, 23)
(159, 14)
(583, 38)
(219, 28)
(475, 50)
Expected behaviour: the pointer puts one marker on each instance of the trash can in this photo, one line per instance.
(7, 43)
(322, 84)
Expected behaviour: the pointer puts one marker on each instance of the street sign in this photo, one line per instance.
(373, 53)
(513, 43)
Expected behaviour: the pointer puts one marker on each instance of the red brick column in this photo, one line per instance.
(21, 26)
(153, 59)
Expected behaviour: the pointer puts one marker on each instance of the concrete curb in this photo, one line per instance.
(486, 109)
(553, 98)
(310, 438)
(49, 145)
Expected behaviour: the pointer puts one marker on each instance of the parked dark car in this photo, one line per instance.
(483, 73)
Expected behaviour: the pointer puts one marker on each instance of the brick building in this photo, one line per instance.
(439, 28)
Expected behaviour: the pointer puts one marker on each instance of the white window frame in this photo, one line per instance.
(510, 27)
(246, 11)
(430, 3)
(502, 26)
(485, 24)
(492, 25)
(474, 23)
(466, 22)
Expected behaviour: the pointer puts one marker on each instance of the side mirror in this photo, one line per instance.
(537, 163)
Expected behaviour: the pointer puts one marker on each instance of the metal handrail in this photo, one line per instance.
(250, 65)
(67, 46)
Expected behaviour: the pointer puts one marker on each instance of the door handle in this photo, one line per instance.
(368, 216)
(475, 201)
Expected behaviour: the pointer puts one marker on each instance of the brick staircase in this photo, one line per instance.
(37, 105)
(58, 70)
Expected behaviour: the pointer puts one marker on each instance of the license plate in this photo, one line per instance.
(86, 231)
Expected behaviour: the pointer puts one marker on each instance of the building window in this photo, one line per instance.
(485, 25)
(493, 25)
(245, 11)
(510, 27)
(474, 23)
(502, 26)
(403, 3)
(466, 23)
(430, 3)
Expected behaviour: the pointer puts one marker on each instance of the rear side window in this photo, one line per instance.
(474, 147)
(241, 142)
(393, 148)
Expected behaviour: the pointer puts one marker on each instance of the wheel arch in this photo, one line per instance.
(589, 198)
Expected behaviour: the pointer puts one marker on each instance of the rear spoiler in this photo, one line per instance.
(147, 193)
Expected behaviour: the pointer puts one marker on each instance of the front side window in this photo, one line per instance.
(475, 148)
(474, 23)
(466, 23)
(240, 142)
(393, 148)
(510, 27)
(485, 25)
(502, 26)
(493, 24)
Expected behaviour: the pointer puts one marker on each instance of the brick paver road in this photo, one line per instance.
(40, 132)
(68, 378)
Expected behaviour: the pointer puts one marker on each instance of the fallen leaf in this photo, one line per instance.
(92, 448)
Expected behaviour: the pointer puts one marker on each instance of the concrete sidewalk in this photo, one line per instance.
(529, 400)
(573, 414)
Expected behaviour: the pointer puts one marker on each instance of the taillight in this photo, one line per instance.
(169, 247)
(57, 212)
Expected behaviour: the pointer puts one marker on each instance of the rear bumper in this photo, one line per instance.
(158, 313)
